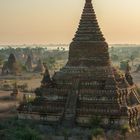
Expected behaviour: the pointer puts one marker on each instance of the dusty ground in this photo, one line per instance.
(33, 83)
(7, 106)
(32, 80)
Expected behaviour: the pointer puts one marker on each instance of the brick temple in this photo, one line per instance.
(87, 86)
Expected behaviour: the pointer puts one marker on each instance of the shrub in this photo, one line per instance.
(97, 132)
(14, 129)
(124, 130)
(95, 122)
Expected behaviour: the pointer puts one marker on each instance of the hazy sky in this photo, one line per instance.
(55, 21)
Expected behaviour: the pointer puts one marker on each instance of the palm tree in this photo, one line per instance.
(132, 58)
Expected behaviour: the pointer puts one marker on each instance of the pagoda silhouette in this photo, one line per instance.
(87, 86)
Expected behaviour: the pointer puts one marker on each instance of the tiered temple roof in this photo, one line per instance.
(88, 85)
(88, 29)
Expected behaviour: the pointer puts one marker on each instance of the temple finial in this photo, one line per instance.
(88, 1)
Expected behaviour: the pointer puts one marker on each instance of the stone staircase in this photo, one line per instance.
(70, 108)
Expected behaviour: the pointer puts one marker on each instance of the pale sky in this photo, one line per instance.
(55, 21)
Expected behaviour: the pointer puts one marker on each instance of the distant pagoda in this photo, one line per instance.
(40, 67)
(88, 85)
(11, 66)
(28, 64)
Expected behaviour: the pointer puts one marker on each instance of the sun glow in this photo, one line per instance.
(55, 21)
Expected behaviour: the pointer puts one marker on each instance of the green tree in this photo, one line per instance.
(124, 130)
(66, 134)
(14, 129)
(27, 134)
(124, 64)
(50, 61)
(1, 60)
(95, 122)
(114, 57)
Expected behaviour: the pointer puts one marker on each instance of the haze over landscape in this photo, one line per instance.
(55, 21)
(88, 90)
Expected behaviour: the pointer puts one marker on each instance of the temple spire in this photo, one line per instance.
(88, 47)
(46, 81)
(88, 29)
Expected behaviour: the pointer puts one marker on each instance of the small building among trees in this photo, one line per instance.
(11, 66)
